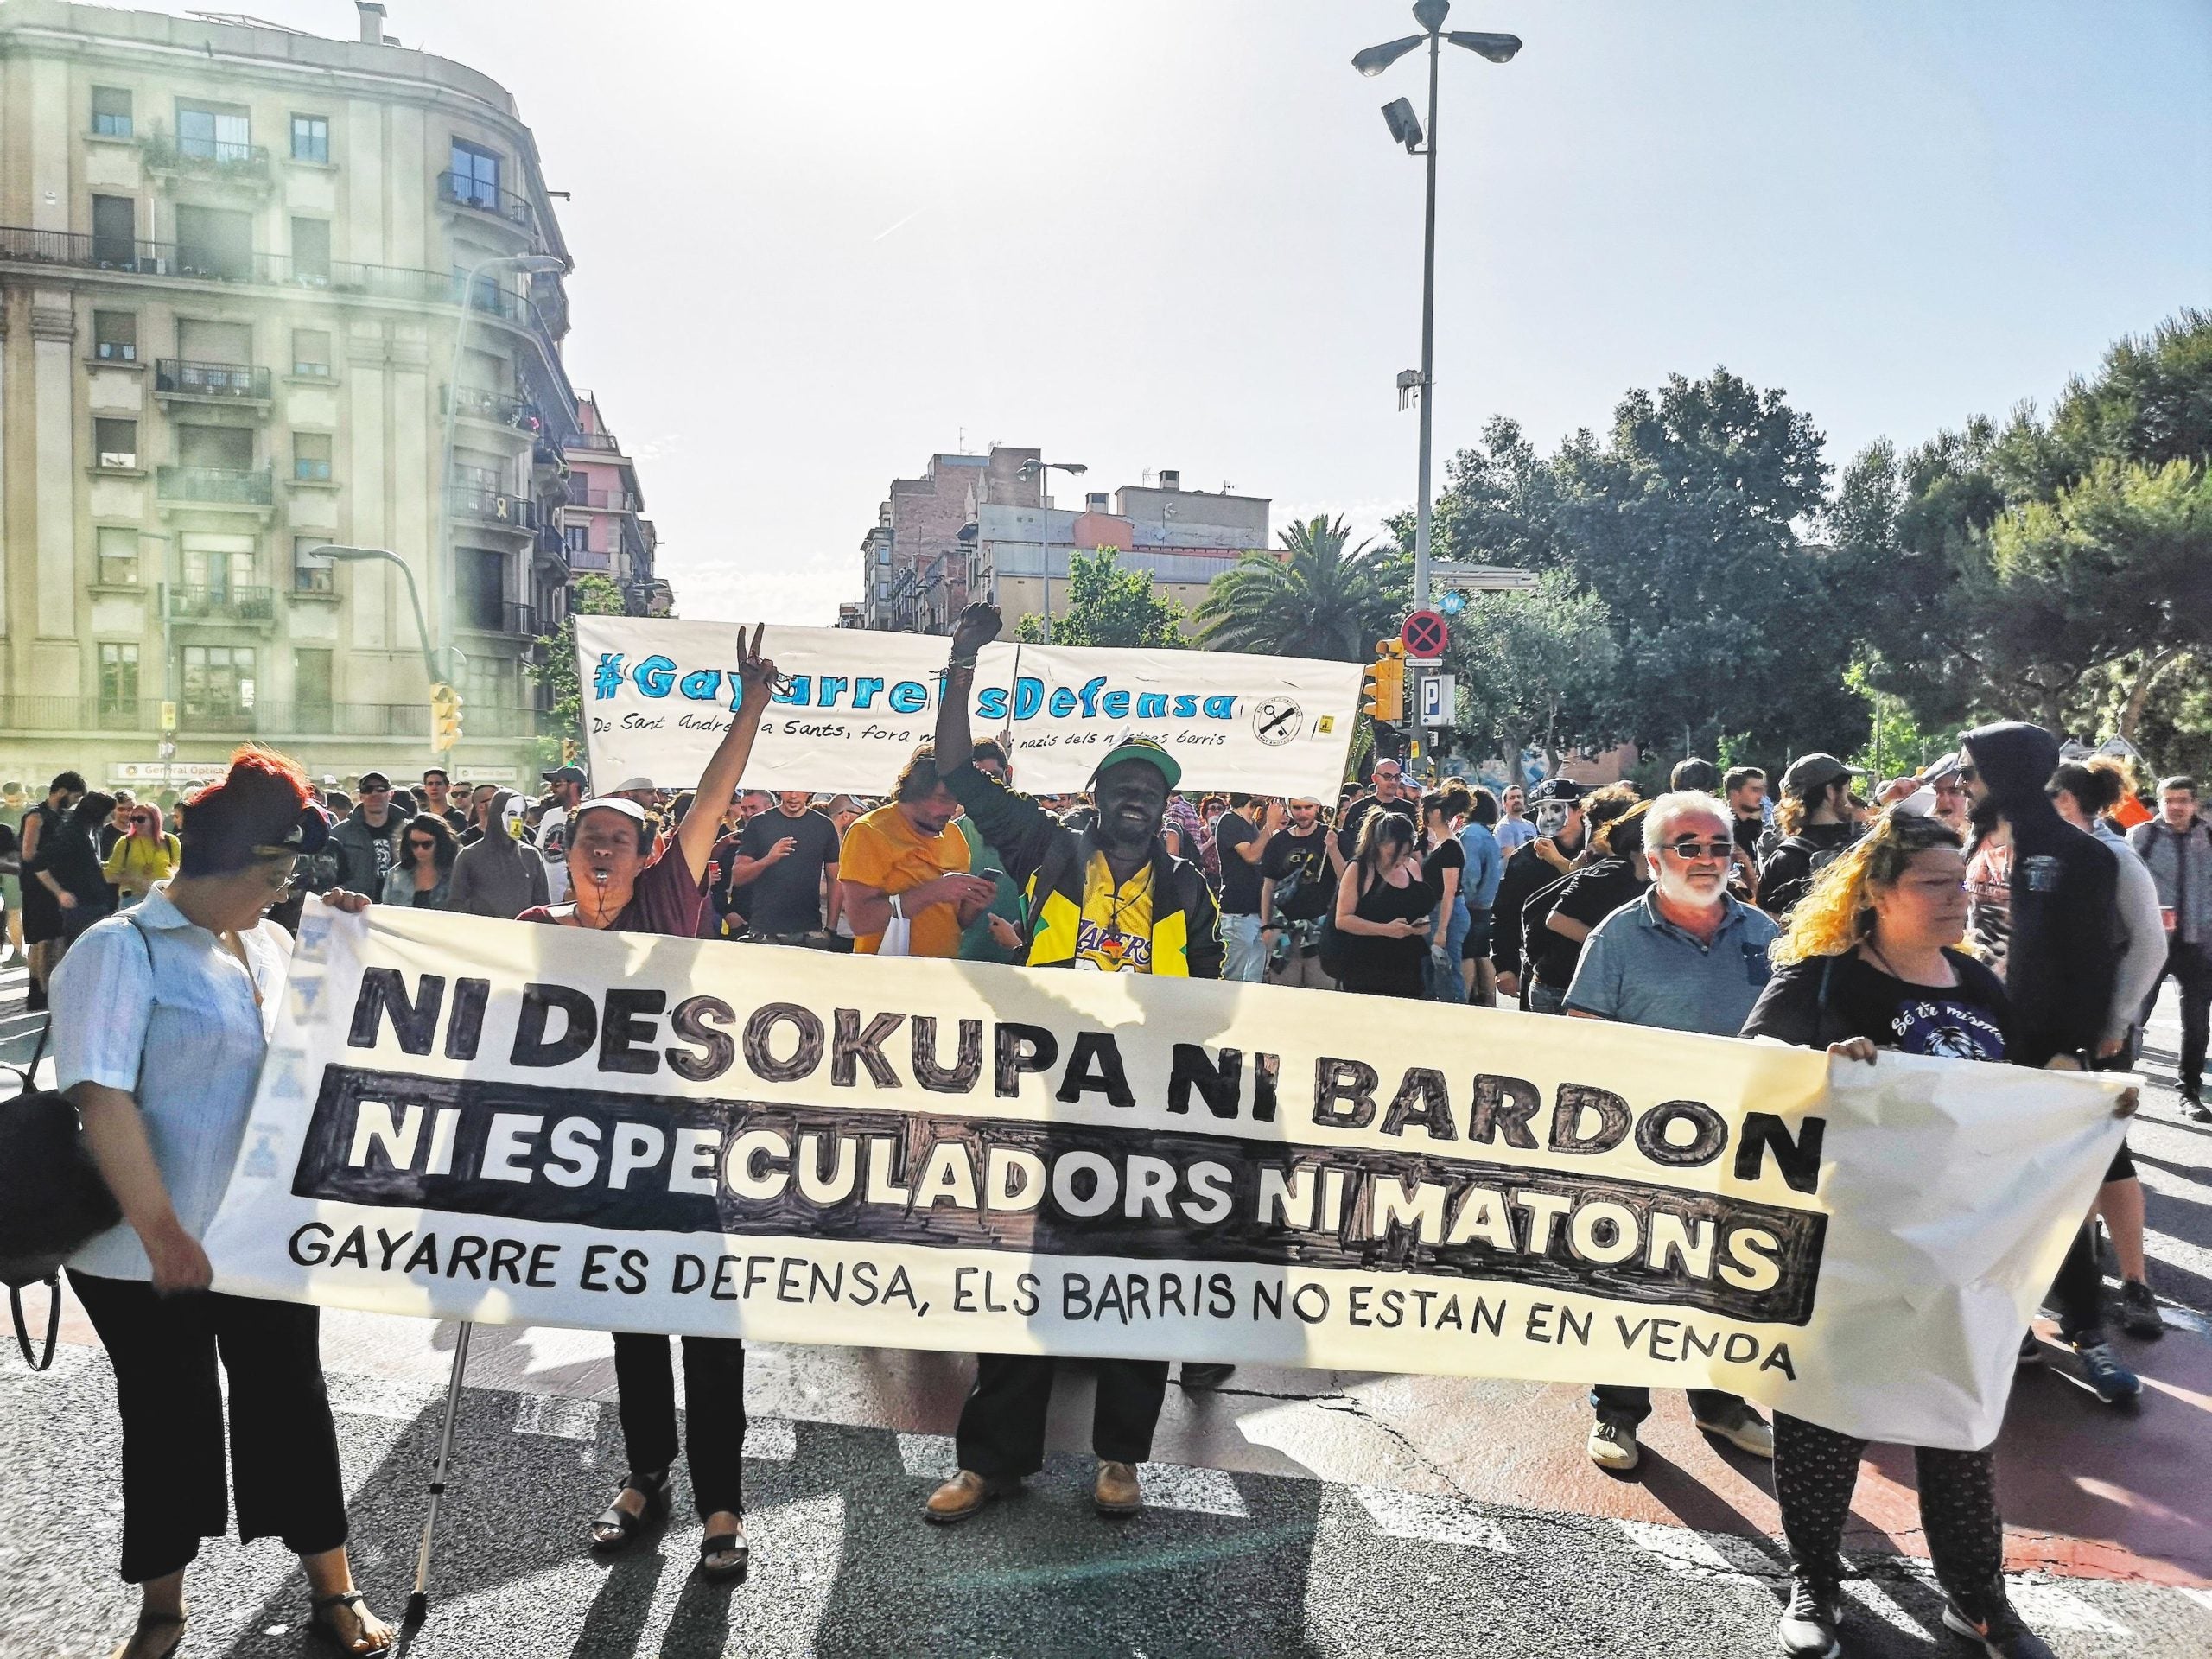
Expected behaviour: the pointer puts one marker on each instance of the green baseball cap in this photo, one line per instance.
(1146, 749)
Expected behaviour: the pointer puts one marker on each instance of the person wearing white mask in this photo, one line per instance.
(497, 876)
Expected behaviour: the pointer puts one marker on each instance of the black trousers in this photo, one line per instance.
(1815, 1470)
(1622, 1402)
(283, 1447)
(2190, 966)
(713, 1413)
(1002, 1426)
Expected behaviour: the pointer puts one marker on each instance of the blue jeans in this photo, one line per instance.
(1240, 939)
(1445, 983)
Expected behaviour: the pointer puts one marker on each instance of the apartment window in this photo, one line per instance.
(213, 242)
(578, 537)
(227, 447)
(117, 546)
(211, 134)
(475, 174)
(311, 457)
(111, 112)
(882, 591)
(218, 564)
(883, 552)
(218, 682)
(482, 572)
(118, 681)
(115, 232)
(115, 442)
(311, 251)
(310, 570)
(311, 351)
(310, 138)
(488, 683)
(115, 336)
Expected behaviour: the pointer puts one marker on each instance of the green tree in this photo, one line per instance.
(1535, 670)
(2056, 570)
(587, 596)
(1109, 605)
(1690, 520)
(1320, 597)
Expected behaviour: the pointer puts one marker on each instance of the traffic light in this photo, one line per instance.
(445, 718)
(568, 751)
(1384, 685)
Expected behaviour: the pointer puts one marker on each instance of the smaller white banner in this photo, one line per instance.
(658, 693)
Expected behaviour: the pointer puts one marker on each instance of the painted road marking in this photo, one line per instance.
(928, 1457)
(557, 1417)
(1700, 1555)
(771, 1440)
(2048, 1606)
(1198, 1491)
(395, 1399)
(1431, 1519)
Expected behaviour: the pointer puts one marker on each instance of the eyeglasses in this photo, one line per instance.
(423, 846)
(1966, 775)
(376, 789)
(1687, 849)
(140, 818)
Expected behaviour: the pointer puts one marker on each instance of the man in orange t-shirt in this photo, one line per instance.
(907, 859)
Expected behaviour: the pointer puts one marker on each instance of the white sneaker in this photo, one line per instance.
(1612, 1446)
(1743, 1428)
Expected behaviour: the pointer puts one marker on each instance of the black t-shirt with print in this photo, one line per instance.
(1240, 876)
(1303, 860)
(1588, 896)
(1966, 1022)
(786, 897)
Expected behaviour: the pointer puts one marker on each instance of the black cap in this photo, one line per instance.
(1555, 789)
(567, 775)
(1809, 773)
(375, 781)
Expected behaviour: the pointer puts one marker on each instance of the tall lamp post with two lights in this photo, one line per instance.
(1406, 129)
(1042, 471)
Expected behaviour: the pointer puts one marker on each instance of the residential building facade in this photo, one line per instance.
(1020, 555)
(915, 559)
(263, 292)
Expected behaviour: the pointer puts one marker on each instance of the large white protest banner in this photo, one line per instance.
(657, 695)
(495, 1121)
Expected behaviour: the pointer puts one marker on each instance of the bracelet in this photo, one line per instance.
(958, 663)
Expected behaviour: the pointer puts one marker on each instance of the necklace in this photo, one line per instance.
(1122, 905)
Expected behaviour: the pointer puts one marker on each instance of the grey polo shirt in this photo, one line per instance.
(1641, 970)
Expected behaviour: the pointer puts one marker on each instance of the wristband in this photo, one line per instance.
(958, 663)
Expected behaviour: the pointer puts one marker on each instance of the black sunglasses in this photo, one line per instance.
(1688, 849)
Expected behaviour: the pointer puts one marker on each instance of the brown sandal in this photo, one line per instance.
(320, 1620)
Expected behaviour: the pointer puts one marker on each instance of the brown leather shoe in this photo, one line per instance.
(1117, 1492)
(962, 1496)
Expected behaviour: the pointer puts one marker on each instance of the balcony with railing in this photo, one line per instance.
(205, 157)
(24, 245)
(473, 403)
(189, 603)
(225, 382)
(498, 616)
(604, 442)
(263, 718)
(602, 500)
(516, 512)
(240, 486)
(459, 190)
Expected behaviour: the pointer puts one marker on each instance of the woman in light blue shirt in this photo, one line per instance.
(1479, 839)
(161, 1018)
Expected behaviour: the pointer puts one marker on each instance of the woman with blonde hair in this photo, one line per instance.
(144, 854)
(1871, 960)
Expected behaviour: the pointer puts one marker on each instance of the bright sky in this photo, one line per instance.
(1147, 233)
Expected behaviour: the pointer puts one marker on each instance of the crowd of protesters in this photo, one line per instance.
(1998, 906)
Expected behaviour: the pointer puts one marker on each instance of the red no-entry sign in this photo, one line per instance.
(1423, 635)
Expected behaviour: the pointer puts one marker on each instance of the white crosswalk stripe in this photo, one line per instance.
(1194, 1492)
(560, 1418)
(2052, 1607)
(928, 1457)
(1428, 1519)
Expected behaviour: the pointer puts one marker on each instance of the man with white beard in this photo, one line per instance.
(1687, 955)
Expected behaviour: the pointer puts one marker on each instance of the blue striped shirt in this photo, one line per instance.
(152, 1004)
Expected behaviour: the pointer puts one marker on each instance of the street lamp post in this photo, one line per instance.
(1042, 471)
(351, 555)
(1407, 130)
(532, 264)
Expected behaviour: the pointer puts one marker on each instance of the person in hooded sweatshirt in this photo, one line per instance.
(499, 875)
(2043, 905)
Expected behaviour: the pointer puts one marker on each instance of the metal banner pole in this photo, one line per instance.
(419, 1603)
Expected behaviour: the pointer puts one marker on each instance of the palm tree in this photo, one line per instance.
(1315, 599)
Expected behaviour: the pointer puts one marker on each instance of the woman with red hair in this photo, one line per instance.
(162, 1015)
